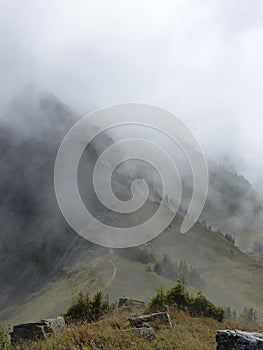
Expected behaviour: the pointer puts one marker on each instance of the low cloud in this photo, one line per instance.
(201, 60)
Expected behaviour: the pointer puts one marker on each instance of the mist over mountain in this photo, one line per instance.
(199, 60)
(36, 243)
(235, 205)
(34, 235)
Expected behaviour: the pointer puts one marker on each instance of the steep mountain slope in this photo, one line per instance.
(43, 264)
(34, 236)
(232, 278)
(87, 275)
(234, 206)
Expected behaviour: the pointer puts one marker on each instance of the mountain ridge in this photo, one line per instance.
(37, 245)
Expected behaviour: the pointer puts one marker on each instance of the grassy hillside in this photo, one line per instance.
(89, 274)
(232, 278)
(43, 264)
(114, 332)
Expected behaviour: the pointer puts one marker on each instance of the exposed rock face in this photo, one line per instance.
(38, 330)
(146, 332)
(238, 340)
(139, 321)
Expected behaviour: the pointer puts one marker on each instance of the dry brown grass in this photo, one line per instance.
(114, 332)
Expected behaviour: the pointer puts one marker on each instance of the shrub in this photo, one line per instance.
(177, 297)
(4, 341)
(158, 268)
(248, 316)
(158, 302)
(190, 274)
(200, 306)
(86, 309)
(168, 269)
(230, 314)
(137, 254)
(257, 247)
(230, 238)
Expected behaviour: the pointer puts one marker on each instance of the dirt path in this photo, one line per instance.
(113, 275)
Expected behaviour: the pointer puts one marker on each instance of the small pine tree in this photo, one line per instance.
(230, 238)
(168, 270)
(178, 296)
(86, 309)
(80, 308)
(200, 306)
(99, 305)
(230, 314)
(158, 302)
(158, 268)
(257, 247)
(248, 315)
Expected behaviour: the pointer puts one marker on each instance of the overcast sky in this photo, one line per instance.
(201, 60)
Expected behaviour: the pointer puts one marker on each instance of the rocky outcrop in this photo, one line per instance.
(38, 330)
(238, 340)
(142, 326)
(162, 317)
(145, 332)
(55, 324)
(133, 303)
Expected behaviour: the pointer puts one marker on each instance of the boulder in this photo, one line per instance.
(238, 340)
(37, 330)
(162, 317)
(146, 332)
(27, 331)
(133, 303)
(54, 324)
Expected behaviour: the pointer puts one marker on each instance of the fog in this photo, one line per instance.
(200, 60)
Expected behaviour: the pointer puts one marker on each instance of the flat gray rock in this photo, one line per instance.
(146, 332)
(37, 330)
(124, 301)
(238, 340)
(162, 317)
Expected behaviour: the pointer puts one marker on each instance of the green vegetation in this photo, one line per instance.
(86, 309)
(90, 310)
(158, 302)
(96, 324)
(230, 314)
(113, 332)
(230, 238)
(257, 247)
(235, 284)
(4, 341)
(179, 298)
(136, 254)
(164, 267)
(248, 316)
(168, 269)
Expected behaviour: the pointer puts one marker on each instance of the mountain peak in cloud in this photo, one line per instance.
(36, 111)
